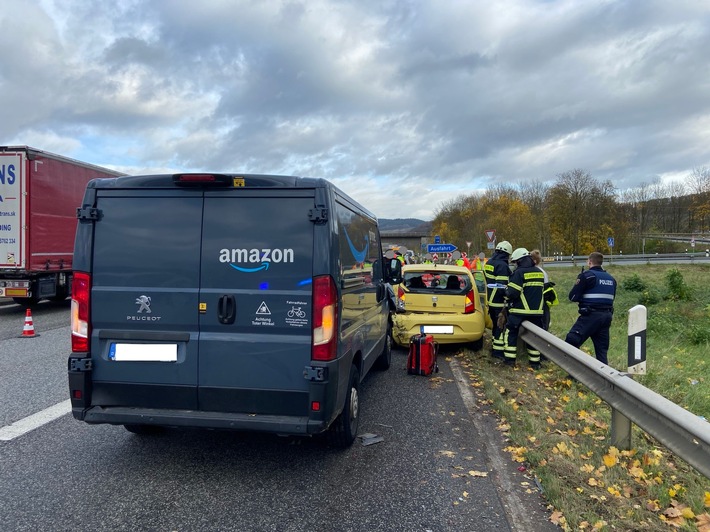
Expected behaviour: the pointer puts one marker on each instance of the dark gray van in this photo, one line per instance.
(243, 302)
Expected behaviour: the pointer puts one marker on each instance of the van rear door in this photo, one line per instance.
(255, 301)
(144, 298)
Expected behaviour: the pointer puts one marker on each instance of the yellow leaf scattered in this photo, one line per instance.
(501, 389)
(565, 398)
(557, 518)
(592, 481)
(550, 421)
(587, 468)
(504, 427)
(610, 460)
(599, 525)
(572, 432)
(652, 506)
(614, 491)
(478, 473)
(687, 513)
(703, 522)
(707, 499)
(532, 439)
(448, 454)
(465, 494)
(637, 472)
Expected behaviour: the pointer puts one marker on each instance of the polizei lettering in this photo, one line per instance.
(243, 259)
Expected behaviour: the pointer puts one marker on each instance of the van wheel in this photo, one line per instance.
(385, 359)
(143, 430)
(477, 345)
(343, 431)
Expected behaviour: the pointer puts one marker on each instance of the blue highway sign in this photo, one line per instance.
(440, 248)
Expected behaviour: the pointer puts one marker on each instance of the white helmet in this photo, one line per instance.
(518, 254)
(505, 247)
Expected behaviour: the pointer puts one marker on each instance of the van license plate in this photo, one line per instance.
(438, 329)
(143, 352)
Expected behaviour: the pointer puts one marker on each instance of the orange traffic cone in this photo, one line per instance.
(29, 329)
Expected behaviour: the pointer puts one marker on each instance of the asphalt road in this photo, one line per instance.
(423, 476)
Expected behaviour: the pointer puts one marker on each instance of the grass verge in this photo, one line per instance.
(559, 430)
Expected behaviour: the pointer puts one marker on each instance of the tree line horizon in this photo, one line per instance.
(577, 213)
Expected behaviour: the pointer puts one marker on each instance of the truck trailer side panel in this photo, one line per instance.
(39, 196)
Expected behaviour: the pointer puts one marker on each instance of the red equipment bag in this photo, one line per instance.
(422, 355)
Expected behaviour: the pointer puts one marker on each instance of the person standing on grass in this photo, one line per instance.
(525, 302)
(594, 290)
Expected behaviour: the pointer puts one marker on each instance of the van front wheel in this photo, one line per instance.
(343, 431)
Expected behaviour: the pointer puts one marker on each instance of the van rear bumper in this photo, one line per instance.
(120, 415)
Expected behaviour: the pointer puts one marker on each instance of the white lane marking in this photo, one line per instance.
(23, 426)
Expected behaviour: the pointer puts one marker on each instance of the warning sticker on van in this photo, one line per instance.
(255, 260)
(297, 315)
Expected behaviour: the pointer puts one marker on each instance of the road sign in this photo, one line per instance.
(692, 242)
(610, 241)
(491, 235)
(440, 248)
(437, 239)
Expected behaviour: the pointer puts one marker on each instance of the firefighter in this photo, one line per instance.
(594, 290)
(525, 302)
(497, 272)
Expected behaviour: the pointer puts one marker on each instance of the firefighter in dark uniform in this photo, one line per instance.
(525, 302)
(594, 290)
(497, 273)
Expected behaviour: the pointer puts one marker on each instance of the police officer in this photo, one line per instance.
(497, 273)
(594, 290)
(525, 303)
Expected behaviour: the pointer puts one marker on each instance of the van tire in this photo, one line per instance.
(385, 359)
(343, 431)
(143, 430)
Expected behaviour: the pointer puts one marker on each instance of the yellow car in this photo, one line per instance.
(441, 300)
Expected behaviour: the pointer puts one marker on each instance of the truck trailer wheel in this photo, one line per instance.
(343, 431)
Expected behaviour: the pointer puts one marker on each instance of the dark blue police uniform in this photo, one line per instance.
(594, 290)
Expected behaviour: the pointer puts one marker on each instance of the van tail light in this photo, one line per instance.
(80, 329)
(325, 318)
(470, 307)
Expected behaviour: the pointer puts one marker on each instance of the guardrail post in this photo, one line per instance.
(620, 430)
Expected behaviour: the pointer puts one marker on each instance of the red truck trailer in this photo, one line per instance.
(39, 196)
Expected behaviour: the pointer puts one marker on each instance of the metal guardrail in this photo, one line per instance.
(682, 432)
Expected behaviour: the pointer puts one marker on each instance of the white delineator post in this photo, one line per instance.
(620, 424)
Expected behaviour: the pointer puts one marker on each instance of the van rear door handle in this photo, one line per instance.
(226, 309)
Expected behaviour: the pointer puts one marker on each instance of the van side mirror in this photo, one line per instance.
(393, 270)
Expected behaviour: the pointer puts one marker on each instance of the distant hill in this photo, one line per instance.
(404, 225)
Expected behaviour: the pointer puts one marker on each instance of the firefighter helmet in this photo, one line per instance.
(505, 247)
(518, 254)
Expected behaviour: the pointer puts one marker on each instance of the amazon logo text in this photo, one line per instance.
(254, 260)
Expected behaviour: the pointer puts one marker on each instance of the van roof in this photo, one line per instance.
(223, 180)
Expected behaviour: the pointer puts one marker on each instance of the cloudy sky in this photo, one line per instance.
(402, 103)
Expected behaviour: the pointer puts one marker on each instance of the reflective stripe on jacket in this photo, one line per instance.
(525, 291)
(497, 273)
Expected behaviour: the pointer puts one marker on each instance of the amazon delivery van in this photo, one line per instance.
(243, 302)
